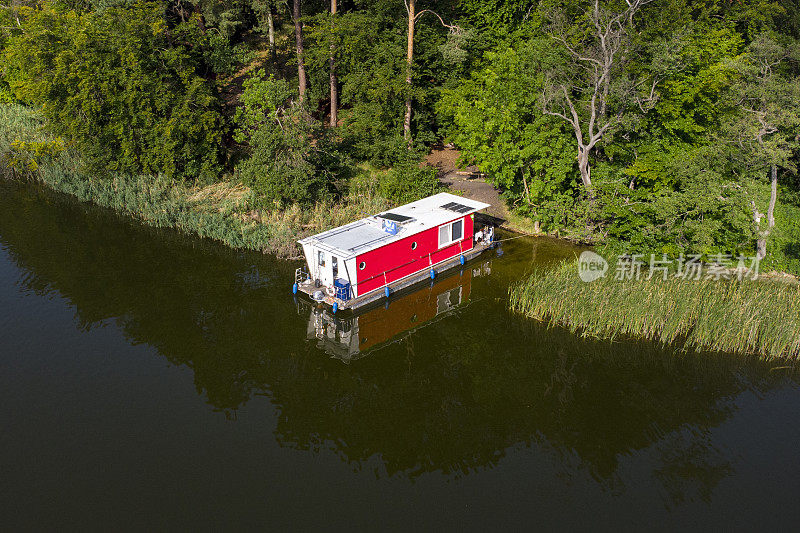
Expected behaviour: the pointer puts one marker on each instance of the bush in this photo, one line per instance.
(23, 158)
(409, 182)
(290, 158)
(783, 245)
(6, 96)
(223, 57)
(118, 84)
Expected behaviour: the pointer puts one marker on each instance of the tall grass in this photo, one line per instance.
(757, 317)
(222, 211)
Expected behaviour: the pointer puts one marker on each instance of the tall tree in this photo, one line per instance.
(298, 36)
(265, 11)
(413, 17)
(411, 7)
(334, 89)
(271, 32)
(768, 123)
(591, 91)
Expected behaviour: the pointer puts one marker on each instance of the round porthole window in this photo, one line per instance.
(413, 245)
(362, 265)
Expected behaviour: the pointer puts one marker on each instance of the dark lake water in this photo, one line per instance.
(152, 380)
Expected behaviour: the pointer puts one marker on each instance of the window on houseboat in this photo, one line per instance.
(444, 235)
(458, 230)
(335, 266)
(451, 232)
(321, 259)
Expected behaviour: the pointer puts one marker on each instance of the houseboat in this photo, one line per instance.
(364, 261)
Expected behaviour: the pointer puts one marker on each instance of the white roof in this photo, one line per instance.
(368, 234)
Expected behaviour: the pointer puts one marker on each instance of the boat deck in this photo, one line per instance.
(309, 288)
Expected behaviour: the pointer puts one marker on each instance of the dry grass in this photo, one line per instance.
(223, 192)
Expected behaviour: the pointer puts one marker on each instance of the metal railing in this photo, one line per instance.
(301, 275)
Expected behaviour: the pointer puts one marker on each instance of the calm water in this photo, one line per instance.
(149, 379)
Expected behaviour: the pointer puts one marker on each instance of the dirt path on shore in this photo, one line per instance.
(468, 181)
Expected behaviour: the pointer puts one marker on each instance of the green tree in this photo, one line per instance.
(766, 130)
(118, 84)
(368, 54)
(589, 86)
(290, 159)
(497, 124)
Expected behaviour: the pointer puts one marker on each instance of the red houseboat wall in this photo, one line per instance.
(398, 259)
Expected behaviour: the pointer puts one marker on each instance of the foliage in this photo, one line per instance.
(501, 16)
(289, 161)
(6, 97)
(409, 182)
(784, 242)
(765, 129)
(370, 67)
(705, 211)
(680, 171)
(116, 83)
(224, 57)
(227, 17)
(369, 48)
(496, 123)
(24, 157)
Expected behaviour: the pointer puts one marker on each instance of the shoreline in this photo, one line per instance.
(225, 211)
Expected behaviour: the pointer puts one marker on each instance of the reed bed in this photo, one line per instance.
(224, 211)
(759, 317)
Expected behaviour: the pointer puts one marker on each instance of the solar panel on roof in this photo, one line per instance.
(456, 207)
(395, 217)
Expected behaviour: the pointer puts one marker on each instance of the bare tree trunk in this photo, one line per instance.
(409, 61)
(298, 36)
(761, 246)
(584, 168)
(773, 197)
(334, 90)
(761, 243)
(527, 191)
(271, 33)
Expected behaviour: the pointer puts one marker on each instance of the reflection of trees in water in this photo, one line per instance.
(691, 466)
(449, 398)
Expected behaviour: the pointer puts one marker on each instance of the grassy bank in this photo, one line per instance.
(224, 211)
(756, 317)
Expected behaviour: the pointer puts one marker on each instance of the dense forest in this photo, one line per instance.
(653, 126)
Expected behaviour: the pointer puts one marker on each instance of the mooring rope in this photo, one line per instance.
(517, 237)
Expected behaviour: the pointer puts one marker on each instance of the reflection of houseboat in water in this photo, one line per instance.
(359, 263)
(350, 337)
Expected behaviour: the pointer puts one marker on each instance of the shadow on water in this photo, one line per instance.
(444, 380)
